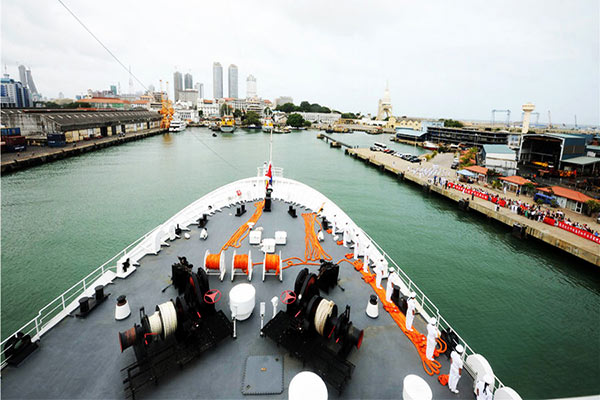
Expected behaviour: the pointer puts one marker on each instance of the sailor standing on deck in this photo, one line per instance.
(483, 389)
(456, 366)
(432, 334)
(411, 304)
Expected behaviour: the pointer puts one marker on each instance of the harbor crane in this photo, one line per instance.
(549, 120)
(501, 111)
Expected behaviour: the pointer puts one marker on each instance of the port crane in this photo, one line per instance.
(501, 111)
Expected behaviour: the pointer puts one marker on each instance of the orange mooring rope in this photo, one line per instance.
(418, 339)
(240, 261)
(236, 239)
(213, 261)
(313, 250)
(272, 263)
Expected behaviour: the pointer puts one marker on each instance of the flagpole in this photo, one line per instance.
(271, 147)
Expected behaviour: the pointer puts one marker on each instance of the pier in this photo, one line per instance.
(333, 142)
(579, 247)
(35, 155)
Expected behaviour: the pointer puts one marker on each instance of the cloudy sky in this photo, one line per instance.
(454, 59)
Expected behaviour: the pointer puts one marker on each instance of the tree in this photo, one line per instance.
(305, 106)
(200, 113)
(286, 108)
(237, 113)
(268, 112)
(295, 120)
(450, 123)
(252, 118)
(593, 206)
(349, 115)
(225, 110)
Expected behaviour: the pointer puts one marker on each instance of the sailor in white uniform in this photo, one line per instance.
(320, 236)
(484, 388)
(456, 366)
(203, 234)
(432, 335)
(410, 310)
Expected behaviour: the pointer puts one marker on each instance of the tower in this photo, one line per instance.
(250, 87)
(22, 75)
(217, 80)
(177, 84)
(527, 110)
(385, 105)
(232, 82)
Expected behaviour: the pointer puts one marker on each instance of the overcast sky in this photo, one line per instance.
(453, 59)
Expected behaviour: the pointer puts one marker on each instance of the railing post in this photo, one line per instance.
(62, 299)
(37, 329)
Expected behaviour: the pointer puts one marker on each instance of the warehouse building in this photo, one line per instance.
(77, 125)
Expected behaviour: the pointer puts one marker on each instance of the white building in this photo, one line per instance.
(209, 108)
(187, 115)
(320, 118)
(256, 105)
(236, 104)
(501, 158)
(189, 96)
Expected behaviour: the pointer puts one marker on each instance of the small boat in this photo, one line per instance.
(177, 126)
(430, 146)
(227, 124)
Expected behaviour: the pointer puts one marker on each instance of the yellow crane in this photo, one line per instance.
(166, 110)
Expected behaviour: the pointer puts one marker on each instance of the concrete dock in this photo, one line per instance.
(35, 155)
(577, 246)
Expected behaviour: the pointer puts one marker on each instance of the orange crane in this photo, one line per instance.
(166, 110)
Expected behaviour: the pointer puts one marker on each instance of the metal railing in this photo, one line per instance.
(54, 311)
(432, 311)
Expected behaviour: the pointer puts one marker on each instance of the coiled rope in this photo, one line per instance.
(272, 262)
(240, 234)
(168, 316)
(240, 261)
(323, 312)
(213, 261)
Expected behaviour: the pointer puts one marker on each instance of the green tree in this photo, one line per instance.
(201, 113)
(592, 206)
(252, 118)
(450, 123)
(286, 108)
(225, 110)
(349, 115)
(237, 113)
(295, 120)
(305, 106)
(268, 112)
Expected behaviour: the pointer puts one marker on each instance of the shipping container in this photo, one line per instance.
(11, 144)
(56, 140)
(11, 131)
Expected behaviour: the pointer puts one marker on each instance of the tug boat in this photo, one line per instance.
(263, 286)
(227, 124)
(267, 126)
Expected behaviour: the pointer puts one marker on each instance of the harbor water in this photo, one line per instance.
(531, 310)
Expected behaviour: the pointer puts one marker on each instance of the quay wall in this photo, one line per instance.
(34, 156)
(589, 252)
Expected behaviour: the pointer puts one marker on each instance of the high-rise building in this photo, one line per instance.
(30, 83)
(251, 87)
(233, 81)
(217, 80)
(23, 75)
(200, 88)
(177, 84)
(188, 81)
(13, 93)
(113, 89)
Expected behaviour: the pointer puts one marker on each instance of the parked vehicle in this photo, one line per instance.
(454, 165)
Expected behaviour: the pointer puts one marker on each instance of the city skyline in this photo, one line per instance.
(456, 61)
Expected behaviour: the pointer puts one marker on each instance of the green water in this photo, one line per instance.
(530, 310)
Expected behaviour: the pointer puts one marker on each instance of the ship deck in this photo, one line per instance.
(81, 358)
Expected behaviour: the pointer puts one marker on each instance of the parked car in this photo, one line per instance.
(374, 148)
(454, 165)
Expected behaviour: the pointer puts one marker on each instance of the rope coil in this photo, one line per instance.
(213, 261)
(272, 263)
(240, 261)
(168, 315)
(323, 312)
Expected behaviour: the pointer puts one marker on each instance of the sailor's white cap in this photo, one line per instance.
(432, 320)
(488, 379)
(412, 295)
(459, 349)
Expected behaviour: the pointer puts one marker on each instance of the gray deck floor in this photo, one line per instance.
(82, 359)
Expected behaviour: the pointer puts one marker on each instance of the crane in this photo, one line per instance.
(503, 111)
(549, 120)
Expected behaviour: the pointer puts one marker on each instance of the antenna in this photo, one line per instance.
(271, 146)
